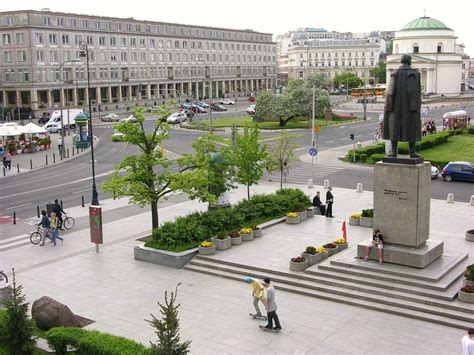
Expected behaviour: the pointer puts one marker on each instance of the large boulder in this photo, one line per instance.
(49, 313)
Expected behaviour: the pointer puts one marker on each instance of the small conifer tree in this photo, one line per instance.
(167, 328)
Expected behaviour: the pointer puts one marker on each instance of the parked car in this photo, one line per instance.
(189, 113)
(434, 172)
(227, 102)
(186, 105)
(130, 118)
(458, 170)
(218, 108)
(53, 127)
(198, 109)
(176, 118)
(202, 104)
(251, 110)
(110, 117)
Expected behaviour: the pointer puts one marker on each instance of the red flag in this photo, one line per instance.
(344, 231)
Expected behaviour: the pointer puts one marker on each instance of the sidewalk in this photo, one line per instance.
(118, 292)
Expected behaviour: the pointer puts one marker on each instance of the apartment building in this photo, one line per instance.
(131, 62)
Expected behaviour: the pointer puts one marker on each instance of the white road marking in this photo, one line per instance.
(13, 207)
(12, 239)
(78, 192)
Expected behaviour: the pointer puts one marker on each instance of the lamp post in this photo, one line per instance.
(85, 53)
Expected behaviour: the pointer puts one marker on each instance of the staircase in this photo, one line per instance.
(426, 294)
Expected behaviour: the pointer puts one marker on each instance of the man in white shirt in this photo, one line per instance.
(468, 343)
(271, 306)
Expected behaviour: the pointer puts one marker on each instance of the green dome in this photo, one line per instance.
(424, 23)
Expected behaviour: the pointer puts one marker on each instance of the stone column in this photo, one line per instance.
(109, 94)
(129, 89)
(197, 90)
(74, 96)
(86, 97)
(62, 99)
(98, 95)
(120, 93)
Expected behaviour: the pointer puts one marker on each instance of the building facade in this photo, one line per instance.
(131, 62)
(435, 53)
(308, 51)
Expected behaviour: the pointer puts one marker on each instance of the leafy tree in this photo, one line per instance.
(167, 328)
(17, 331)
(318, 80)
(322, 102)
(380, 71)
(298, 97)
(281, 155)
(265, 106)
(247, 156)
(347, 79)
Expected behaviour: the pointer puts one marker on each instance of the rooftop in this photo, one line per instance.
(424, 23)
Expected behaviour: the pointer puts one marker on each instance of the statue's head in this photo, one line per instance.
(406, 59)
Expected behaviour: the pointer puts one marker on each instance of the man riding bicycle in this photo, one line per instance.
(56, 208)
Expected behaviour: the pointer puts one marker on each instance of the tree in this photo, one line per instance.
(380, 71)
(265, 106)
(16, 334)
(281, 155)
(247, 156)
(167, 328)
(347, 79)
(298, 98)
(318, 80)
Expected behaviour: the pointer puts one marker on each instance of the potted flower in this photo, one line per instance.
(312, 255)
(235, 238)
(331, 248)
(341, 244)
(302, 212)
(310, 212)
(292, 218)
(354, 219)
(367, 218)
(257, 231)
(466, 294)
(221, 241)
(207, 248)
(298, 264)
(323, 252)
(470, 235)
(246, 234)
(469, 276)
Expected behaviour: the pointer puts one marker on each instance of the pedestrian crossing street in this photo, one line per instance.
(300, 173)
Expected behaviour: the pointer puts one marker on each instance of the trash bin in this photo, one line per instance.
(49, 208)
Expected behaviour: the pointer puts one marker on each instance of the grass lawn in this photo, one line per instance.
(228, 141)
(457, 148)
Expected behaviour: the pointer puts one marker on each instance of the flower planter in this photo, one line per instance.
(366, 222)
(246, 237)
(469, 237)
(207, 251)
(325, 255)
(291, 220)
(466, 282)
(236, 240)
(314, 258)
(342, 246)
(299, 266)
(466, 297)
(257, 233)
(310, 213)
(303, 215)
(354, 221)
(222, 244)
(332, 251)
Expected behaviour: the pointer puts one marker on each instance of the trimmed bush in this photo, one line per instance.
(470, 129)
(192, 229)
(363, 158)
(375, 158)
(91, 342)
(369, 212)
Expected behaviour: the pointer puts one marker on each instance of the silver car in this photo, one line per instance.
(110, 117)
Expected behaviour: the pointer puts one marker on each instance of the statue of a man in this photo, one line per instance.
(402, 120)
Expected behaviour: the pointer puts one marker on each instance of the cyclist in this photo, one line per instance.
(46, 225)
(56, 208)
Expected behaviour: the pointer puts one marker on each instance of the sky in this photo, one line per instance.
(277, 17)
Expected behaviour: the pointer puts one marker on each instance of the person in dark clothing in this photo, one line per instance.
(46, 225)
(59, 213)
(377, 242)
(317, 203)
(329, 202)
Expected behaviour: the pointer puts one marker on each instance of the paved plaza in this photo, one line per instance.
(119, 293)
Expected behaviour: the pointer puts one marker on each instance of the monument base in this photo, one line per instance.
(419, 257)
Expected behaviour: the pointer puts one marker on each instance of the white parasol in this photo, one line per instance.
(31, 128)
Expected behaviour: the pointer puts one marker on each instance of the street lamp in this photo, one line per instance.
(85, 53)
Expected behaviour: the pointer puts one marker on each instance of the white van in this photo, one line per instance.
(69, 117)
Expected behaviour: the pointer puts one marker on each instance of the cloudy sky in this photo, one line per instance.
(276, 17)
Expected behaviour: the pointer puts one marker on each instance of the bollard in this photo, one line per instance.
(450, 198)
(326, 183)
(67, 153)
(46, 159)
(18, 168)
(72, 151)
(54, 158)
(61, 155)
(82, 200)
(62, 204)
(31, 164)
(310, 183)
(4, 172)
(359, 187)
(14, 217)
(472, 200)
(38, 211)
(358, 145)
(77, 150)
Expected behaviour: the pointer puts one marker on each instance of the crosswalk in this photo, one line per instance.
(14, 242)
(300, 173)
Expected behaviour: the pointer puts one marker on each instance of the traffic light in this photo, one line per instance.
(352, 136)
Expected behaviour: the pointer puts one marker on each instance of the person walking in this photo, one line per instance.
(271, 306)
(56, 208)
(468, 343)
(7, 160)
(329, 202)
(46, 225)
(60, 145)
(257, 294)
(54, 228)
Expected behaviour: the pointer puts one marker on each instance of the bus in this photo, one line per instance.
(369, 91)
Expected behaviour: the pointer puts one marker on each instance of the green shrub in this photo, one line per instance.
(375, 158)
(369, 212)
(311, 250)
(91, 342)
(470, 129)
(192, 229)
(117, 139)
(363, 158)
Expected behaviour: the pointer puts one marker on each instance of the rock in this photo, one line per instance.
(49, 313)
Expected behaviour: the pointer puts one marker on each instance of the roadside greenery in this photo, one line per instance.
(380, 72)
(280, 156)
(347, 79)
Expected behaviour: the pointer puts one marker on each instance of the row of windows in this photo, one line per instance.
(138, 56)
(336, 54)
(117, 26)
(336, 63)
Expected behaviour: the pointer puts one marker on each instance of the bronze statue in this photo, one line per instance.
(402, 120)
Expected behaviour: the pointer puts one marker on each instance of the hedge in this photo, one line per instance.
(91, 342)
(470, 129)
(192, 229)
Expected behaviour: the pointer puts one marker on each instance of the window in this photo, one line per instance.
(467, 169)
(20, 38)
(133, 42)
(142, 43)
(47, 21)
(456, 168)
(53, 56)
(39, 39)
(53, 40)
(40, 56)
(160, 43)
(176, 45)
(416, 49)
(73, 23)
(7, 57)
(113, 56)
(152, 43)
(10, 21)
(60, 22)
(439, 48)
(168, 44)
(9, 75)
(85, 24)
(6, 39)
(113, 41)
(102, 56)
(134, 57)
(142, 57)
(152, 57)
(123, 56)
(77, 39)
(65, 39)
(102, 41)
(123, 42)
(90, 40)
(21, 56)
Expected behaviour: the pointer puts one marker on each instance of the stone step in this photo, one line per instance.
(449, 309)
(346, 298)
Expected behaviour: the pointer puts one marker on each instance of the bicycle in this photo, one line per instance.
(36, 236)
(3, 279)
(68, 222)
